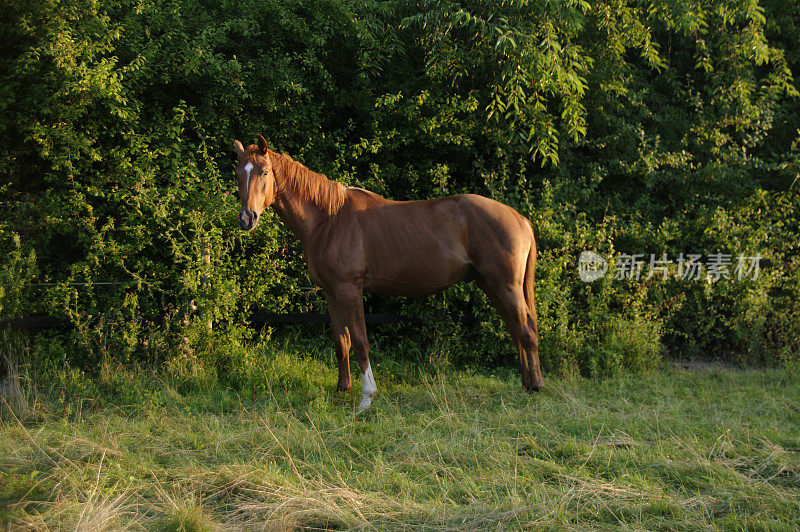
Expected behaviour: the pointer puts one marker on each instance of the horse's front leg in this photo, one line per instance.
(349, 307)
(341, 341)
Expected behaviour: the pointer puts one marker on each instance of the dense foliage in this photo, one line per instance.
(653, 127)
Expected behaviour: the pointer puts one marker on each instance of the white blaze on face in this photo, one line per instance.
(248, 168)
(368, 387)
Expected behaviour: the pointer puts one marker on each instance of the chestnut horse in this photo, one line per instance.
(355, 241)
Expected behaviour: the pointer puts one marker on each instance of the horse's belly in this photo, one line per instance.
(418, 272)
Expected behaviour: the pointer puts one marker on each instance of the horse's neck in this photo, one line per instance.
(301, 216)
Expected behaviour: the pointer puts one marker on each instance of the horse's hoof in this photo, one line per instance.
(365, 403)
(534, 386)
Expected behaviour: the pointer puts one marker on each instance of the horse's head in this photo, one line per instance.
(256, 181)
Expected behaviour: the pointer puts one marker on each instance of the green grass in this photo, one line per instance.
(675, 449)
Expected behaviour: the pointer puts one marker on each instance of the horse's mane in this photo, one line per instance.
(306, 184)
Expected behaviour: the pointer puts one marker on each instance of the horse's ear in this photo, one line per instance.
(262, 145)
(238, 147)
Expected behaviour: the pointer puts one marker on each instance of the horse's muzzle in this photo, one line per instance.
(247, 219)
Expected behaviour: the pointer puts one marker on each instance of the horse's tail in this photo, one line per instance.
(528, 281)
(533, 381)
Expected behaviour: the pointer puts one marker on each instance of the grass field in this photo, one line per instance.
(675, 449)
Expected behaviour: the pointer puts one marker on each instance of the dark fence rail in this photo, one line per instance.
(36, 322)
(290, 319)
(257, 319)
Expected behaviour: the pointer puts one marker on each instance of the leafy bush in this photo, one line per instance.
(655, 127)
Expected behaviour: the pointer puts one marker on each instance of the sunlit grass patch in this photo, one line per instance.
(449, 450)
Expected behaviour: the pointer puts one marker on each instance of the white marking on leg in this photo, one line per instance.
(368, 388)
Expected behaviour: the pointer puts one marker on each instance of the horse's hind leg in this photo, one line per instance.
(510, 303)
(349, 304)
